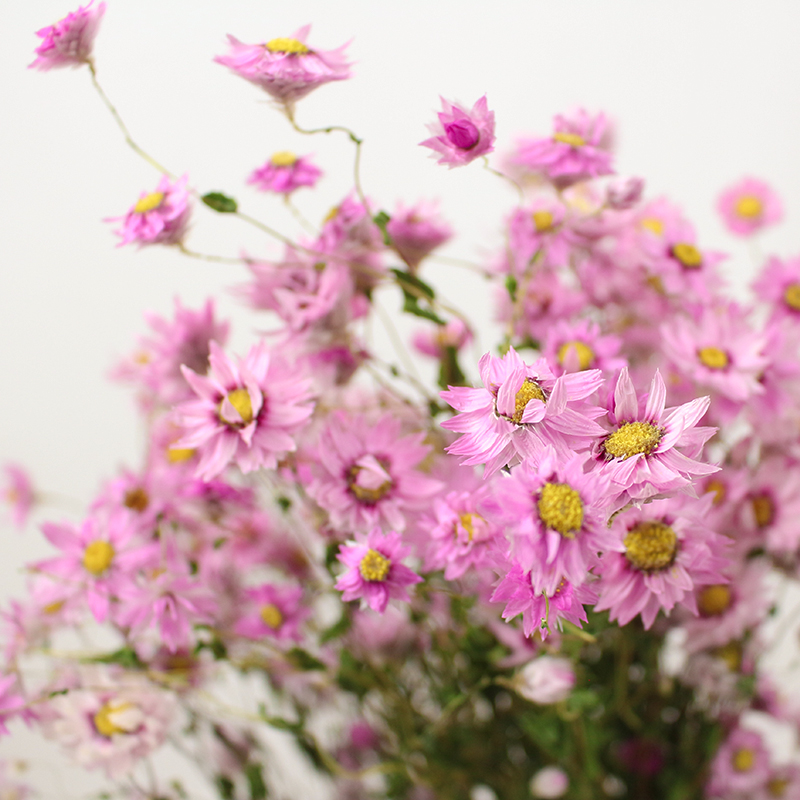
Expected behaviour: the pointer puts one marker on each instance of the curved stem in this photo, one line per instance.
(307, 226)
(205, 257)
(505, 178)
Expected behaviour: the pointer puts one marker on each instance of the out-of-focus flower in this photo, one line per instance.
(275, 611)
(545, 680)
(624, 194)
(284, 173)
(748, 206)
(434, 342)
(461, 136)
(416, 232)
(12, 702)
(779, 285)
(18, 494)
(740, 766)
(69, 42)
(549, 783)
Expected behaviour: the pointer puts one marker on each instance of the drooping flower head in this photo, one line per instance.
(284, 173)
(286, 68)
(748, 206)
(18, 494)
(69, 42)
(416, 232)
(461, 136)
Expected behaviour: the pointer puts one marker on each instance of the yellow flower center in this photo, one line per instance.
(103, 722)
(731, 654)
(332, 214)
(743, 759)
(53, 608)
(792, 296)
(530, 390)
(651, 546)
(374, 566)
(97, 556)
(653, 224)
(542, 221)
(714, 600)
(149, 202)
(288, 46)
(719, 490)
(240, 400)
(632, 438)
(572, 139)
(271, 616)
(713, 357)
(136, 499)
(584, 352)
(176, 455)
(777, 786)
(467, 524)
(561, 509)
(688, 255)
(364, 493)
(763, 510)
(749, 207)
(283, 159)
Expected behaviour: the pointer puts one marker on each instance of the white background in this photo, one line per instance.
(701, 94)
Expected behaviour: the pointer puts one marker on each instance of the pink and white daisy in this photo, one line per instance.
(160, 217)
(375, 572)
(748, 206)
(461, 136)
(740, 767)
(539, 232)
(416, 232)
(245, 413)
(578, 346)
(779, 285)
(286, 68)
(545, 680)
(284, 173)
(519, 410)
(273, 611)
(69, 42)
(18, 494)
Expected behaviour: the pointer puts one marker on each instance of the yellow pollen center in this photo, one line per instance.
(331, 214)
(176, 455)
(561, 509)
(731, 654)
(714, 600)
(651, 546)
(271, 616)
(53, 608)
(749, 207)
(467, 524)
(571, 139)
(149, 202)
(777, 786)
(240, 400)
(288, 46)
(364, 493)
(542, 221)
(743, 759)
(763, 510)
(713, 357)
(689, 256)
(97, 557)
(719, 490)
(374, 566)
(103, 723)
(792, 296)
(530, 390)
(584, 352)
(283, 159)
(632, 438)
(653, 224)
(136, 499)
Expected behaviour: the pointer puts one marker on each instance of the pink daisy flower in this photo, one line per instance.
(740, 767)
(69, 42)
(577, 150)
(375, 573)
(663, 551)
(643, 455)
(748, 206)
(578, 346)
(286, 68)
(436, 341)
(276, 611)
(461, 136)
(18, 493)
(416, 232)
(160, 217)
(520, 410)
(539, 231)
(284, 173)
(779, 285)
(245, 412)
(367, 474)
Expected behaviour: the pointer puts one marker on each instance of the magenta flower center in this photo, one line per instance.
(462, 133)
(651, 546)
(713, 357)
(374, 566)
(97, 556)
(561, 509)
(792, 296)
(631, 439)
(271, 616)
(714, 600)
(687, 254)
(149, 202)
(530, 390)
(584, 353)
(749, 207)
(104, 723)
(288, 46)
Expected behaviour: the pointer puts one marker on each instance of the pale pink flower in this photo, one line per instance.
(545, 680)
(160, 217)
(539, 234)
(578, 346)
(740, 767)
(12, 702)
(245, 413)
(549, 783)
(461, 136)
(273, 611)
(624, 194)
(286, 68)
(416, 232)
(284, 173)
(435, 341)
(375, 572)
(748, 206)
(69, 42)
(18, 493)
(779, 285)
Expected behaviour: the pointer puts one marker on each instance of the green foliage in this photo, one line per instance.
(415, 290)
(220, 202)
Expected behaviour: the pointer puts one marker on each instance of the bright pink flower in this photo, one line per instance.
(435, 341)
(18, 493)
(160, 217)
(578, 346)
(545, 680)
(740, 767)
(520, 410)
(416, 232)
(664, 550)
(461, 136)
(748, 206)
(273, 611)
(375, 573)
(779, 285)
(539, 232)
(643, 454)
(286, 68)
(577, 150)
(69, 42)
(284, 173)
(245, 412)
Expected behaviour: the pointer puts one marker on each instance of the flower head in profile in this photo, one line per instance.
(416, 232)
(284, 173)
(159, 217)
(18, 493)
(461, 136)
(69, 42)
(286, 68)
(748, 206)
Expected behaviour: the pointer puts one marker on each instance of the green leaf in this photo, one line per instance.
(380, 219)
(255, 779)
(125, 657)
(406, 279)
(220, 202)
(450, 373)
(304, 660)
(511, 288)
(225, 787)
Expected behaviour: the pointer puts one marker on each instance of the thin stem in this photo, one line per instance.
(505, 177)
(307, 226)
(462, 262)
(205, 257)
